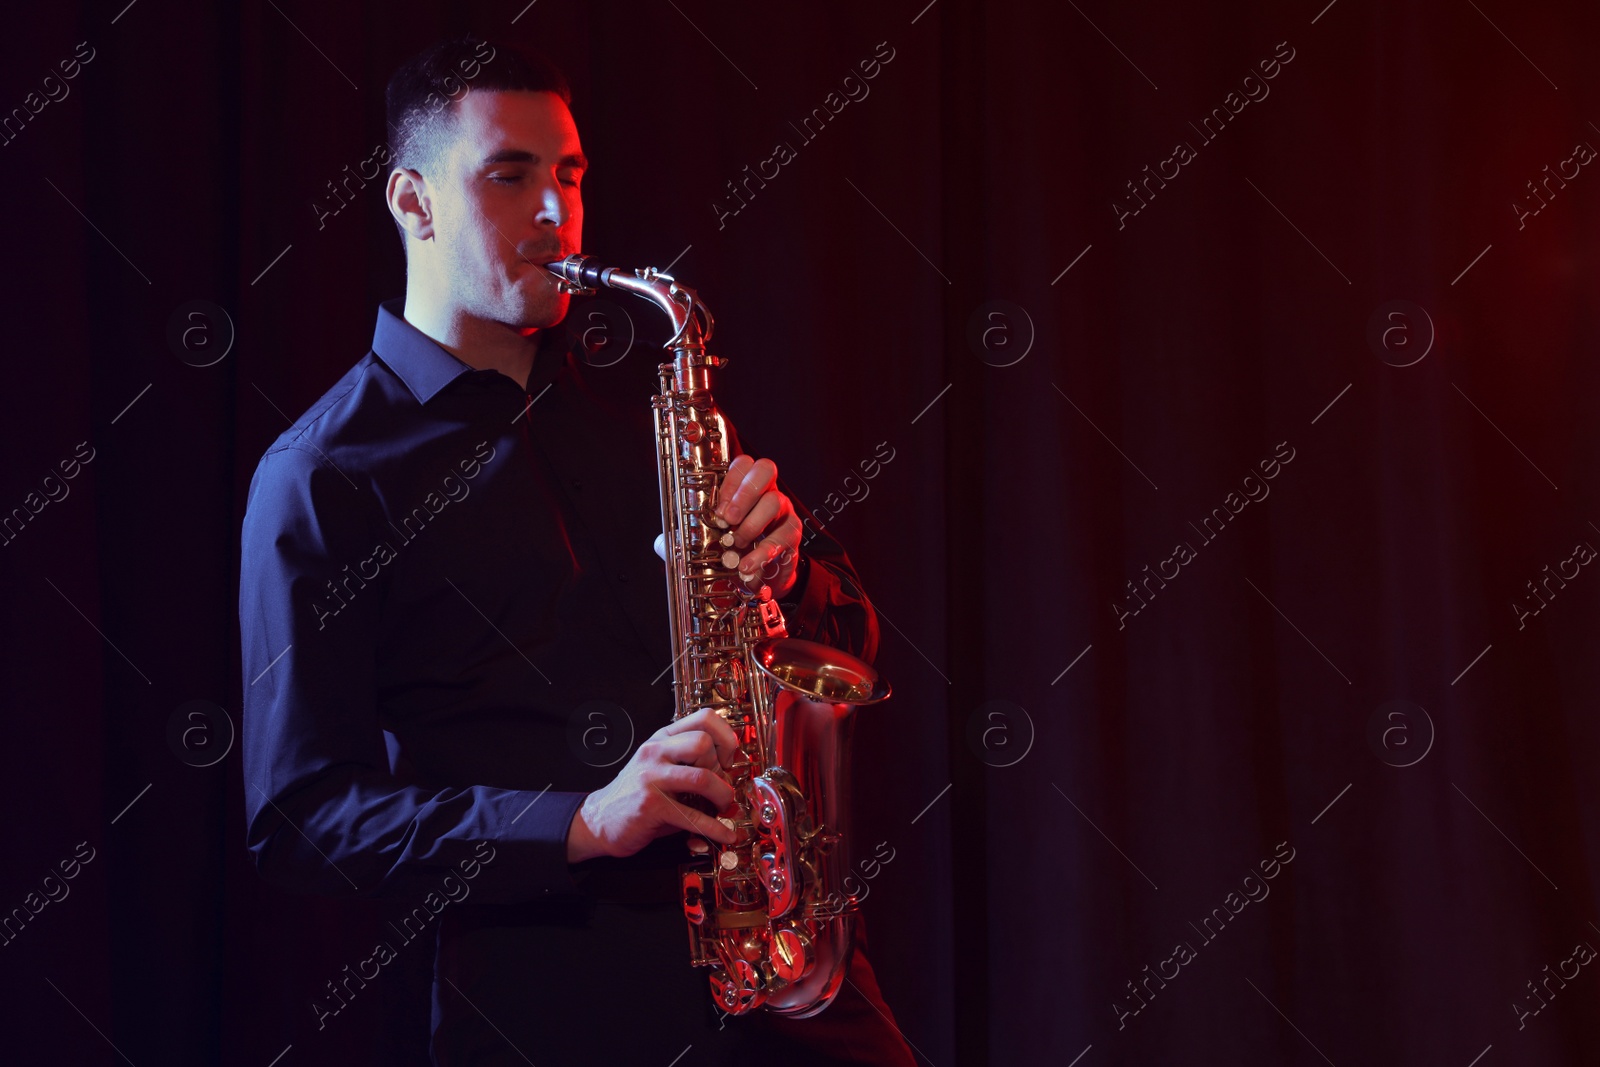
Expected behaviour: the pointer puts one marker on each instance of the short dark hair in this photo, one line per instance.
(422, 94)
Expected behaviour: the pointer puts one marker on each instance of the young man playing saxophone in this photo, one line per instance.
(430, 670)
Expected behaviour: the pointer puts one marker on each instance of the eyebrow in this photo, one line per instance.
(519, 155)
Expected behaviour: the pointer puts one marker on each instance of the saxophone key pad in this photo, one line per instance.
(791, 954)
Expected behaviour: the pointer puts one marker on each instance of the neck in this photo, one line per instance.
(480, 343)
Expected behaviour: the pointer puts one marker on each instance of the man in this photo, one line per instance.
(454, 629)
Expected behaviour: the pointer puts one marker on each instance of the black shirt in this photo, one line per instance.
(454, 627)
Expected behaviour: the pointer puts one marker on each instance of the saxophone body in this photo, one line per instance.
(768, 915)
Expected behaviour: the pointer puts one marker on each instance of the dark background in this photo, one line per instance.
(1048, 847)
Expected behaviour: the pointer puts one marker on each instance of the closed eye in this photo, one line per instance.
(514, 178)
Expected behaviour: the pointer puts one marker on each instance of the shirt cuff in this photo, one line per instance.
(533, 831)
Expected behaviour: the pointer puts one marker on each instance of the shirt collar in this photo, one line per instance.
(426, 367)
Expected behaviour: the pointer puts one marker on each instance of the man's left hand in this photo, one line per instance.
(764, 524)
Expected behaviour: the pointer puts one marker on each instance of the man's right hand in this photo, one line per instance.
(640, 804)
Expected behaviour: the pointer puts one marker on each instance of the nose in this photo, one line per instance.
(553, 206)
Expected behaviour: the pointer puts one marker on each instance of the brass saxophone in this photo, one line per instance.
(769, 913)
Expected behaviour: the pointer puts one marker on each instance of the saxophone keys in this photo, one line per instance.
(750, 948)
(738, 991)
(697, 892)
(792, 954)
(730, 559)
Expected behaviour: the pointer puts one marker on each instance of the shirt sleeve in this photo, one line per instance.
(832, 608)
(324, 814)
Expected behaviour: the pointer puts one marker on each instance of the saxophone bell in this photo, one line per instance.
(815, 671)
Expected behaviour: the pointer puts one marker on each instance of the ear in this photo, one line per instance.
(410, 202)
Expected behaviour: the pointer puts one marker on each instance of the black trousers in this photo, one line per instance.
(610, 985)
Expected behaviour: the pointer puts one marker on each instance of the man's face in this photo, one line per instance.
(510, 202)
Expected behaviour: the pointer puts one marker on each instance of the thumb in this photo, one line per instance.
(661, 545)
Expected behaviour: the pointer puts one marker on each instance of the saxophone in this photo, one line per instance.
(768, 914)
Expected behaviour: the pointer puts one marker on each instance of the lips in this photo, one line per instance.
(541, 258)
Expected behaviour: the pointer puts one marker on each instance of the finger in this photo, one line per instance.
(694, 748)
(676, 778)
(722, 735)
(758, 563)
(766, 511)
(780, 566)
(684, 817)
(738, 467)
(769, 556)
(755, 482)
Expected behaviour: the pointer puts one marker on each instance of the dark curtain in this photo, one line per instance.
(1232, 561)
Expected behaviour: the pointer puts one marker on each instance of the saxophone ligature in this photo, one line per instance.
(769, 913)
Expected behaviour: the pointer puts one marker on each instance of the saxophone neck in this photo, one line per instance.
(692, 321)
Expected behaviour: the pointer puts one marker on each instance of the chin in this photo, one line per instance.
(541, 312)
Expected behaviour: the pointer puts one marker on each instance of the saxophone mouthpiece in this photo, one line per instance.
(579, 273)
